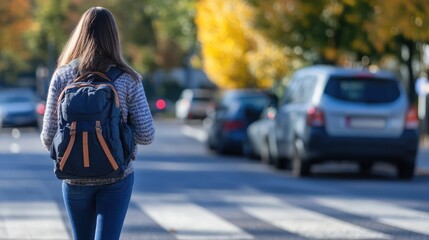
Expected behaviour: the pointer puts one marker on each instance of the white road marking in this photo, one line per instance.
(387, 213)
(32, 220)
(14, 148)
(200, 135)
(301, 221)
(186, 220)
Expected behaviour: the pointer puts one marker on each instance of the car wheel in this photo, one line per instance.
(221, 148)
(365, 168)
(210, 146)
(274, 158)
(406, 170)
(300, 167)
(279, 163)
(265, 153)
(247, 149)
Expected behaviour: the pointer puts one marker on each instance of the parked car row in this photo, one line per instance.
(326, 114)
(18, 107)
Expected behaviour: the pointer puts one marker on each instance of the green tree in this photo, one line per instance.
(137, 32)
(346, 32)
(399, 25)
(324, 31)
(154, 33)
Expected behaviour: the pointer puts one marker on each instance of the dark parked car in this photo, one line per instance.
(330, 113)
(227, 124)
(17, 107)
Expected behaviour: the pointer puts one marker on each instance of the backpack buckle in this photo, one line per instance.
(73, 128)
(98, 126)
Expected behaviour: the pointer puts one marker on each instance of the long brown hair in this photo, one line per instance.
(95, 42)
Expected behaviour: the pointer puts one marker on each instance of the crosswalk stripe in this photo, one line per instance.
(32, 220)
(301, 221)
(390, 214)
(199, 135)
(186, 220)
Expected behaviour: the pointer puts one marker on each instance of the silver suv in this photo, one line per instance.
(330, 113)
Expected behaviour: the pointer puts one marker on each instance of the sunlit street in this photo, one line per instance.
(182, 191)
(254, 120)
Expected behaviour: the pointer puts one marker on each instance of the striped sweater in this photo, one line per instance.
(132, 100)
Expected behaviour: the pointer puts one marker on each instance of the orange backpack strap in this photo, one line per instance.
(69, 146)
(104, 146)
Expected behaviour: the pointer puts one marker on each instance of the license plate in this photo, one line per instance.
(363, 122)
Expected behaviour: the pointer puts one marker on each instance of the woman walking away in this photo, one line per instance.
(96, 207)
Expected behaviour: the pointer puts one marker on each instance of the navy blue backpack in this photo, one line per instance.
(92, 140)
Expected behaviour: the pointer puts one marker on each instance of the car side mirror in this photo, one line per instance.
(273, 101)
(271, 112)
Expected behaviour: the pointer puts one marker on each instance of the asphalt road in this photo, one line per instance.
(183, 192)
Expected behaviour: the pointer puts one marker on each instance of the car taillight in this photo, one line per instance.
(315, 117)
(233, 125)
(411, 119)
(40, 109)
(160, 104)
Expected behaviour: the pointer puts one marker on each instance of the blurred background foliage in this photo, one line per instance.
(238, 43)
(15, 20)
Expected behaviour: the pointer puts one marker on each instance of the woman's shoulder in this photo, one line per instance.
(65, 71)
(68, 73)
(64, 75)
(65, 68)
(129, 79)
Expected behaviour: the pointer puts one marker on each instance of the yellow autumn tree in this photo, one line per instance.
(234, 54)
(267, 62)
(399, 18)
(15, 19)
(221, 31)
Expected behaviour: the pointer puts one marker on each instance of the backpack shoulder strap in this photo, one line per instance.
(114, 72)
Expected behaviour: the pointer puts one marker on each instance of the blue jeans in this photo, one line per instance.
(98, 212)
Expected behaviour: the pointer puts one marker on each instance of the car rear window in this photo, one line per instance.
(15, 99)
(254, 101)
(365, 90)
(202, 99)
